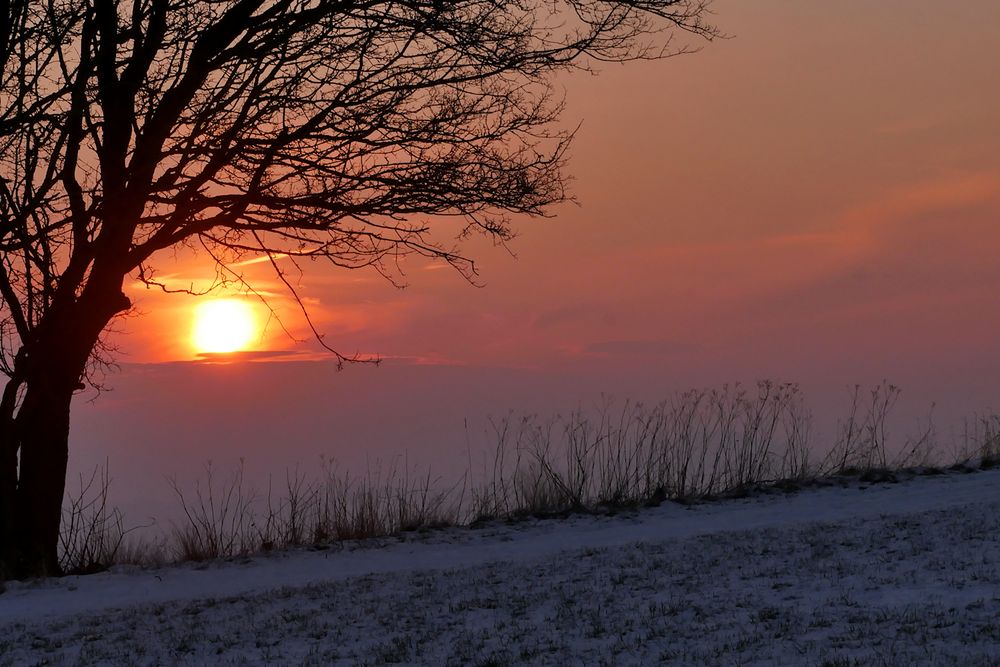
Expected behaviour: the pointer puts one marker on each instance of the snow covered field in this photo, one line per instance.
(897, 574)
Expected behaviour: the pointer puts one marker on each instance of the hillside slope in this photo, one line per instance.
(903, 574)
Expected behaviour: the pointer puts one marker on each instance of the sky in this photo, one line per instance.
(814, 199)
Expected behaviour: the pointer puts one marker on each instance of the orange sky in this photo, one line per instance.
(830, 165)
(816, 199)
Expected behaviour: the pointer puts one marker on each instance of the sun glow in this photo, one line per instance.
(224, 325)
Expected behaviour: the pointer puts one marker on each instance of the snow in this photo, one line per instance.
(904, 573)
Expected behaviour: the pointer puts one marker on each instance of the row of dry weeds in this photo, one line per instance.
(700, 444)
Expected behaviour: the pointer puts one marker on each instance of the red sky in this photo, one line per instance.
(816, 199)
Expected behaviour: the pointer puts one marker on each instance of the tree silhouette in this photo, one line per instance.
(320, 129)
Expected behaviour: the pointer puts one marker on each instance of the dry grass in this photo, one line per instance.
(92, 534)
(224, 517)
(700, 444)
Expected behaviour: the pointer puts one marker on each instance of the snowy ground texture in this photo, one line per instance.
(900, 574)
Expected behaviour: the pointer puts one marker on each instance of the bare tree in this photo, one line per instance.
(322, 129)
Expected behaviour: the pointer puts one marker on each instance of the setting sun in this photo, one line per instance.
(223, 325)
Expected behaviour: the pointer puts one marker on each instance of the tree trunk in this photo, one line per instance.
(43, 426)
(8, 475)
(34, 444)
